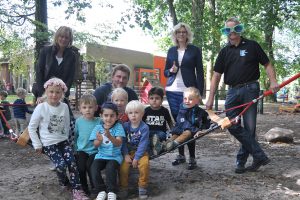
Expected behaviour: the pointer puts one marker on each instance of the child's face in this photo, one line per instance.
(54, 95)
(190, 100)
(155, 101)
(2, 97)
(109, 117)
(121, 102)
(135, 116)
(88, 110)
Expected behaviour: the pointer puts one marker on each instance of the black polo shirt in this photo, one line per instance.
(240, 64)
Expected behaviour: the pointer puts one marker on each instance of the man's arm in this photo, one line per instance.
(213, 87)
(274, 86)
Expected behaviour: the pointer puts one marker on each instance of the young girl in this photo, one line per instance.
(53, 120)
(120, 97)
(108, 138)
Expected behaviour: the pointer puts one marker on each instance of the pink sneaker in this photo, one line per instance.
(79, 195)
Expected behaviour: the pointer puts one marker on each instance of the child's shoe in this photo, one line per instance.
(179, 160)
(111, 196)
(169, 145)
(192, 164)
(101, 195)
(143, 193)
(157, 145)
(79, 195)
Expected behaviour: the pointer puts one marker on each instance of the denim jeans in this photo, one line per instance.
(245, 135)
(161, 135)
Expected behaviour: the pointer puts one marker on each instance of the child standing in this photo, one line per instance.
(120, 97)
(53, 120)
(107, 138)
(85, 150)
(191, 119)
(6, 110)
(134, 148)
(20, 109)
(157, 117)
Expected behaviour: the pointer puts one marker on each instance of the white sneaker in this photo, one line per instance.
(101, 195)
(111, 196)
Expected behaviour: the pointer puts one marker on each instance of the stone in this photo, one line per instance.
(277, 134)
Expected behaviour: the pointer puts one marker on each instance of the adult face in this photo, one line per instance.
(233, 37)
(181, 35)
(120, 79)
(63, 40)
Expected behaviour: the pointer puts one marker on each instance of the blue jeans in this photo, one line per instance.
(161, 135)
(245, 135)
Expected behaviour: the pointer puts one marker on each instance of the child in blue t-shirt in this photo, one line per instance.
(107, 138)
(84, 148)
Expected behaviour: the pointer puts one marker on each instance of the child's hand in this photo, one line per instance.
(199, 133)
(135, 163)
(128, 159)
(107, 133)
(39, 151)
(174, 68)
(99, 137)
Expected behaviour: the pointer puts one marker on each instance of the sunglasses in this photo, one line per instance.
(237, 29)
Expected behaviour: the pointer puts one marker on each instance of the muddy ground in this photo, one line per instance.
(24, 175)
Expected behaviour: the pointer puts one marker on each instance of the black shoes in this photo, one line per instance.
(192, 164)
(240, 169)
(179, 160)
(257, 164)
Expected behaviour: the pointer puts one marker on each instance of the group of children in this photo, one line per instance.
(122, 137)
(19, 108)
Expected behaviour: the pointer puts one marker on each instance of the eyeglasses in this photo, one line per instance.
(181, 32)
(237, 29)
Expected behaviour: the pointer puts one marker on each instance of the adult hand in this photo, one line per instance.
(274, 86)
(209, 103)
(174, 68)
(135, 163)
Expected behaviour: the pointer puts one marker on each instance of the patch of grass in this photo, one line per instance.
(29, 98)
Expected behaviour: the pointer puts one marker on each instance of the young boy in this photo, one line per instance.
(191, 119)
(134, 149)
(120, 97)
(85, 149)
(6, 111)
(157, 117)
(20, 109)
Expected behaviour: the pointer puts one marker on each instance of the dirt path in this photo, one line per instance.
(27, 176)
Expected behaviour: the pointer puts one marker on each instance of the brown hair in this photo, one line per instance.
(121, 67)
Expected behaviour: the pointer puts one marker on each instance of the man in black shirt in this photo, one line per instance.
(239, 61)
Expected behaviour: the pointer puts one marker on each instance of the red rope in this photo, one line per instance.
(9, 104)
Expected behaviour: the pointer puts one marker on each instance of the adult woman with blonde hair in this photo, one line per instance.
(56, 60)
(183, 69)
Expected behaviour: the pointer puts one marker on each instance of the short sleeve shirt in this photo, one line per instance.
(240, 64)
(157, 119)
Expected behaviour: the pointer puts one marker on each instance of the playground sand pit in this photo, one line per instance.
(25, 175)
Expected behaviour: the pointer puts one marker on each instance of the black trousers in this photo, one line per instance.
(84, 163)
(111, 171)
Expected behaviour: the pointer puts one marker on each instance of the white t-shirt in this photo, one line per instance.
(178, 84)
(59, 60)
(53, 123)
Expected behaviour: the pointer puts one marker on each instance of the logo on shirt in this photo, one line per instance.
(243, 53)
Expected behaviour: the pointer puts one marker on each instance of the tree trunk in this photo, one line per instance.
(172, 12)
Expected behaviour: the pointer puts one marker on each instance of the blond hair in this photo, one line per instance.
(193, 91)
(21, 92)
(88, 99)
(63, 30)
(134, 105)
(119, 92)
(189, 34)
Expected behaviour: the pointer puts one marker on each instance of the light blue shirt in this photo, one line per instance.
(83, 130)
(107, 150)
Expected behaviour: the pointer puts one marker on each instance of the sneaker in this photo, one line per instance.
(169, 145)
(192, 164)
(111, 196)
(79, 195)
(52, 166)
(143, 193)
(240, 169)
(101, 195)
(179, 160)
(157, 145)
(257, 164)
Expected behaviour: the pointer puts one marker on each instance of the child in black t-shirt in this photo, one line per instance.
(157, 117)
